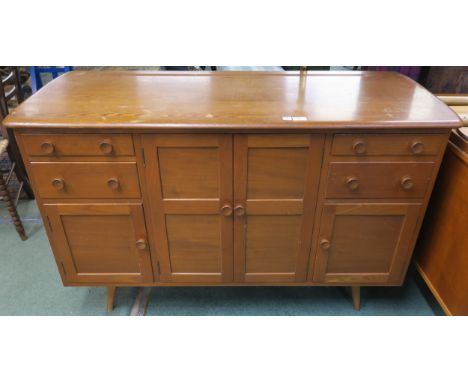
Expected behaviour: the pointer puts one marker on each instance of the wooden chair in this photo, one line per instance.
(5, 195)
(11, 88)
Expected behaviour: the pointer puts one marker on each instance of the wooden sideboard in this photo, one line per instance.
(232, 178)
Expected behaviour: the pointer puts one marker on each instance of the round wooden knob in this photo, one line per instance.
(106, 147)
(407, 183)
(239, 210)
(352, 183)
(325, 244)
(141, 244)
(58, 184)
(417, 147)
(47, 148)
(226, 210)
(359, 147)
(113, 184)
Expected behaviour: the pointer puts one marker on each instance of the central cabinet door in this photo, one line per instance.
(190, 195)
(275, 183)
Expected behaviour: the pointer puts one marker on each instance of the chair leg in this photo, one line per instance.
(12, 208)
(20, 170)
(110, 298)
(356, 296)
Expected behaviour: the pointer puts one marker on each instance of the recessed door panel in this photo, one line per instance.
(276, 173)
(195, 243)
(189, 173)
(272, 244)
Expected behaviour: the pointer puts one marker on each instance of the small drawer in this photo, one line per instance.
(379, 179)
(388, 144)
(78, 144)
(86, 180)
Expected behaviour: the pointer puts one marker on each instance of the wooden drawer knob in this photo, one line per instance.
(226, 210)
(141, 244)
(407, 183)
(58, 184)
(47, 148)
(352, 183)
(324, 244)
(106, 147)
(359, 147)
(113, 184)
(239, 210)
(417, 147)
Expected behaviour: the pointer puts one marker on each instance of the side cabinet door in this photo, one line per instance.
(101, 243)
(364, 242)
(275, 185)
(190, 192)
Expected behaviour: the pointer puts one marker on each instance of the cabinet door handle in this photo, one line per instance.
(407, 183)
(417, 147)
(58, 184)
(141, 244)
(226, 210)
(113, 184)
(239, 210)
(352, 182)
(106, 147)
(359, 147)
(47, 148)
(325, 244)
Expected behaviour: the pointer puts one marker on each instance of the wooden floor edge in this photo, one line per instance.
(433, 290)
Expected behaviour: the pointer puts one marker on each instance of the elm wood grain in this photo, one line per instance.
(98, 242)
(110, 298)
(193, 234)
(442, 248)
(364, 241)
(379, 179)
(275, 184)
(395, 144)
(59, 145)
(85, 179)
(153, 100)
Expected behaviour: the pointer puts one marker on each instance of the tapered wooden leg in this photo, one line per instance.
(356, 296)
(141, 302)
(11, 209)
(110, 298)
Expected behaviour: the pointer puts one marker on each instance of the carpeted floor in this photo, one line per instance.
(31, 286)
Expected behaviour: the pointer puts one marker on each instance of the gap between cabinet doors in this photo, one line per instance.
(231, 207)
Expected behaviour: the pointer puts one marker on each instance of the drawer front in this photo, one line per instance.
(388, 144)
(78, 144)
(379, 179)
(86, 180)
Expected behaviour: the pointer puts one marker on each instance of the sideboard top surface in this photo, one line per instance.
(232, 100)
